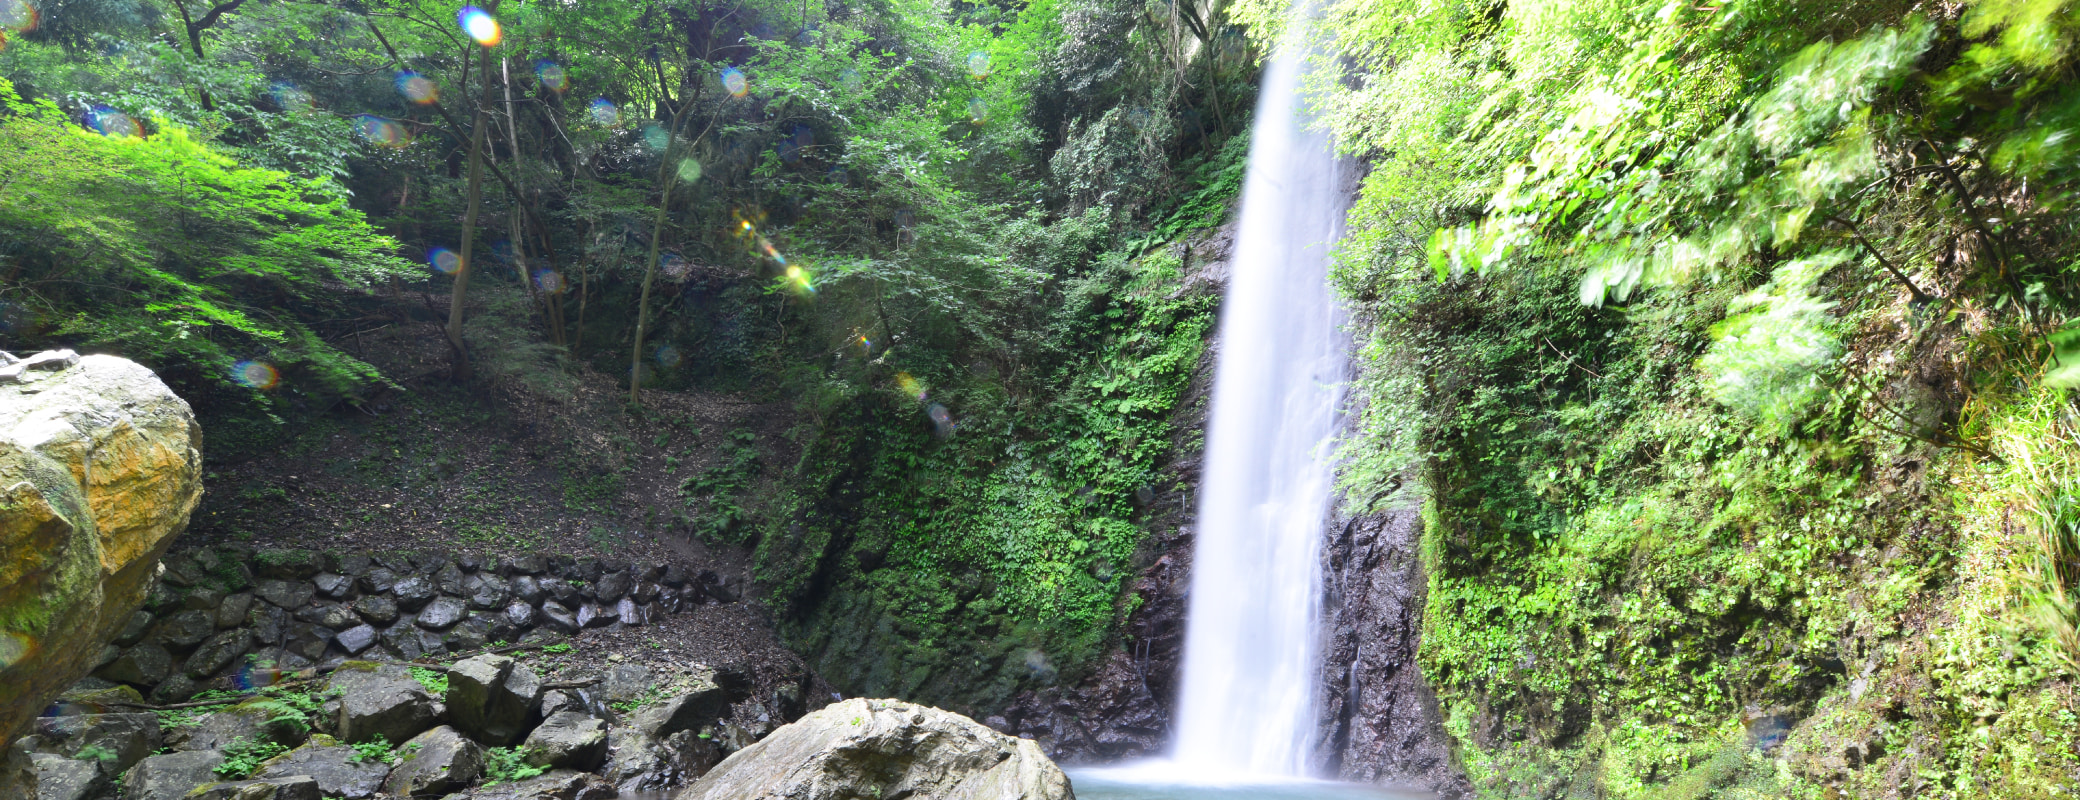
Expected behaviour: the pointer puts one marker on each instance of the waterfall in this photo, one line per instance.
(1250, 656)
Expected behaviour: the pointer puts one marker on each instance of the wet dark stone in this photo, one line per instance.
(333, 586)
(286, 564)
(202, 598)
(234, 610)
(377, 609)
(675, 576)
(330, 615)
(354, 565)
(289, 594)
(378, 580)
(135, 628)
(562, 591)
(413, 592)
(520, 615)
(356, 639)
(530, 565)
(485, 591)
(652, 574)
(556, 617)
(631, 613)
(442, 613)
(469, 562)
(184, 629)
(644, 591)
(590, 570)
(611, 587)
(594, 615)
(449, 579)
(528, 589)
(269, 623)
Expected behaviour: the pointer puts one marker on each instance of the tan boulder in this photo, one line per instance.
(100, 466)
(860, 749)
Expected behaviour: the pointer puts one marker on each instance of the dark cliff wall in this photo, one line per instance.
(1379, 719)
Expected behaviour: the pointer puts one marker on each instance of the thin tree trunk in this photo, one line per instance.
(666, 179)
(459, 296)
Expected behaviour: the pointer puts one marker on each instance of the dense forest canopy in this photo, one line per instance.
(1725, 346)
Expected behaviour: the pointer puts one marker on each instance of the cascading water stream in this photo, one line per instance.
(1247, 703)
(1246, 712)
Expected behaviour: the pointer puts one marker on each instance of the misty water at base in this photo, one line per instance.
(1104, 784)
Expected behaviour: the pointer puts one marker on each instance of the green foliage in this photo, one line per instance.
(507, 765)
(376, 749)
(712, 496)
(435, 681)
(242, 756)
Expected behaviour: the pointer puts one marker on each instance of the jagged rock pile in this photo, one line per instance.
(385, 732)
(217, 610)
(100, 466)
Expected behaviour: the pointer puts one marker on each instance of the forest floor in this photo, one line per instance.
(511, 467)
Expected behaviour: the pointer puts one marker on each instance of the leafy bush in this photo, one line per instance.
(435, 681)
(508, 764)
(242, 756)
(376, 749)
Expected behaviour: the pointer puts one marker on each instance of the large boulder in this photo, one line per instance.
(17, 772)
(568, 739)
(170, 776)
(493, 698)
(559, 784)
(83, 543)
(884, 748)
(435, 763)
(298, 787)
(706, 698)
(253, 720)
(638, 765)
(340, 771)
(115, 742)
(381, 700)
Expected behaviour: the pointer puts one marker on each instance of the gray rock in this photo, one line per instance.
(49, 360)
(530, 565)
(184, 629)
(113, 742)
(592, 615)
(631, 613)
(412, 592)
(449, 579)
(287, 564)
(639, 764)
(177, 688)
(528, 589)
(333, 585)
(567, 739)
(442, 613)
(17, 771)
(298, 787)
(381, 700)
(559, 784)
(328, 615)
(520, 615)
(611, 586)
(338, 769)
(250, 720)
(562, 591)
(134, 629)
(626, 682)
(708, 701)
(486, 592)
(884, 748)
(558, 618)
(645, 591)
(61, 778)
(270, 624)
(377, 609)
(234, 610)
(558, 700)
(492, 698)
(472, 634)
(378, 580)
(309, 641)
(676, 576)
(356, 639)
(170, 776)
(202, 598)
(217, 653)
(403, 640)
(435, 763)
(144, 665)
(285, 594)
(353, 565)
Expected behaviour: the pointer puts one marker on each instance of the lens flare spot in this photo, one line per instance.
(443, 260)
(849, 79)
(668, 357)
(978, 65)
(689, 170)
(287, 95)
(978, 111)
(112, 123)
(675, 265)
(253, 677)
(417, 88)
(382, 132)
(1138, 118)
(18, 15)
(605, 112)
(910, 386)
(14, 647)
(656, 138)
(734, 82)
(942, 420)
(479, 25)
(552, 76)
(548, 281)
(255, 375)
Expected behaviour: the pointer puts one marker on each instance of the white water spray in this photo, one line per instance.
(1247, 707)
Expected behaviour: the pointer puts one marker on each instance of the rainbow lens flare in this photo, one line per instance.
(382, 132)
(668, 357)
(849, 79)
(14, 647)
(689, 170)
(18, 15)
(289, 96)
(417, 88)
(734, 82)
(552, 76)
(674, 265)
(253, 677)
(255, 375)
(604, 112)
(978, 110)
(443, 260)
(112, 123)
(479, 25)
(910, 386)
(978, 65)
(942, 420)
(656, 138)
(548, 281)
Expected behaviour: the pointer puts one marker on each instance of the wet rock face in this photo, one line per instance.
(884, 748)
(83, 543)
(1379, 719)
